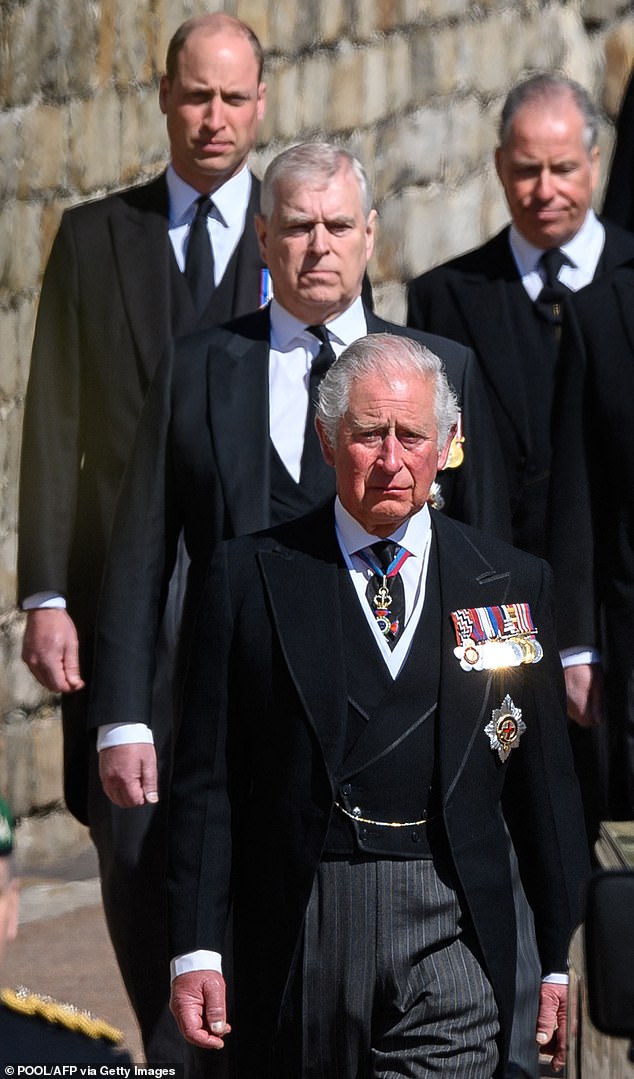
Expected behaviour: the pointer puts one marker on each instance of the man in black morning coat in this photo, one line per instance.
(226, 443)
(113, 295)
(497, 298)
(344, 768)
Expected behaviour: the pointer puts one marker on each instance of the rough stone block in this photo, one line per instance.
(600, 10)
(315, 81)
(144, 139)
(398, 63)
(344, 104)
(619, 59)
(375, 103)
(289, 25)
(44, 138)
(21, 259)
(19, 763)
(333, 20)
(410, 152)
(49, 840)
(11, 153)
(95, 143)
(285, 109)
(47, 761)
(9, 366)
(256, 13)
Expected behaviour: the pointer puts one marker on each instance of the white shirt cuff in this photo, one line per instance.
(43, 599)
(556, 979)
(123, 734)
(573, 657)
(200, 960)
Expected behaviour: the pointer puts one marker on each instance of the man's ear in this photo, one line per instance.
(326, 448)
(444, 452)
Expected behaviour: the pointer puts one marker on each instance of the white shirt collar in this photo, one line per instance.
(345, 328)
(584, 250)
(229, 200)
(413, 534)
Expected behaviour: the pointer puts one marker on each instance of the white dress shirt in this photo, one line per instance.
(225, 223)
(584, 252)
(291, 354)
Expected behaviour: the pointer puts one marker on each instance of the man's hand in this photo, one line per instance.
(198, 1005)
(551, 1023)
(50, 649)
(129, 774)
(584, 692)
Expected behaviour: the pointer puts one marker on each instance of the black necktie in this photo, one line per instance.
(548, 303)
(312, 461)
(199, 263)
(385, 592)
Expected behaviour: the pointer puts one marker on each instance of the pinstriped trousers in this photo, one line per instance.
(390, 988)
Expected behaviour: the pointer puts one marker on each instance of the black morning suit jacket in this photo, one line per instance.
(261, 742)
(471, 299)
(106, 315)
(202, 463)
(592, 490)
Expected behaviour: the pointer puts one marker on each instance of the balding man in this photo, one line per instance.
(504, 299)
(126, 273)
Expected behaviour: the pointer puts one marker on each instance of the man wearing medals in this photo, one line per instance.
(344, 784)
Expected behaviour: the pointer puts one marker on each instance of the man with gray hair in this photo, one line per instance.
(226, 443)
(368, 703)
(503, 299)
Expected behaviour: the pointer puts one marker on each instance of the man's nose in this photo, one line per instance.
(319, 238)
(214, 113)
(391, 455)
(545, 186)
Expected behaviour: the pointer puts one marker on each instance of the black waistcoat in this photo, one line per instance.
(223, 303)
(388, 767)
(288, 498)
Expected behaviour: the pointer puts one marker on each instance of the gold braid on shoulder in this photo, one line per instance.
(25, 1002)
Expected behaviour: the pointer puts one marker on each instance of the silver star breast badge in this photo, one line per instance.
(506, 728)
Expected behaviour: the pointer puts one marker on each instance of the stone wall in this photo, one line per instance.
(413, 86)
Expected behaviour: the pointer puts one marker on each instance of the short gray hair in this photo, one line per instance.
(389, 356)
(311, 163)
(544, 88)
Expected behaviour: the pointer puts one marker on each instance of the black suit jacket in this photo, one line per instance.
(262, 738)
(470, 299)
(201, 464)
(105, 318)
(592, 508)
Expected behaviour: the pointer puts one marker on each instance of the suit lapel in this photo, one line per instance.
(238, 405)
(143, 255)
(302, 586)
(467, 579)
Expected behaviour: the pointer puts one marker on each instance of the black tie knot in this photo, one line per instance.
(323, 359)
(204, 206)
(552, 260)
(385, 552)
